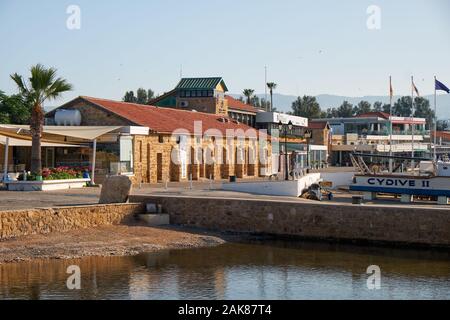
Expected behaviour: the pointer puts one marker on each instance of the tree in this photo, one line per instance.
(129, 97)
(248, 93)
(443, 125)
(423, 110)
(378, 106)
(265, 105)
(255, 101)
(332, 113)
(42, 85)
(14, 109)
(306, 107)
(142, 97)
(272, 86)
(345, 110)
(362, 107)
(402, 107)
(150, 95)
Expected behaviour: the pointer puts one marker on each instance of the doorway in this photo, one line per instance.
(159, 164)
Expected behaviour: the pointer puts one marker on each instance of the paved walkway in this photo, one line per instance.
(10, 200)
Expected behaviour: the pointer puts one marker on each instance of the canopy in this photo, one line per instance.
(87, 133)
(16, 142)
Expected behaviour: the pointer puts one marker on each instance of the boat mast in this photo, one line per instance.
(413, 164)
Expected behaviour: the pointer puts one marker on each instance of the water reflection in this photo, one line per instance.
(275, 270)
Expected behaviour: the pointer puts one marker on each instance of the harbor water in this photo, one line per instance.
(251, 270)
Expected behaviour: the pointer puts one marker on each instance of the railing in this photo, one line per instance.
(386, 133)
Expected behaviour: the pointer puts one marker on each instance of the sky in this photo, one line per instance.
(309, 47)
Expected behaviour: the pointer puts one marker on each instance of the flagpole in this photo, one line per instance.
(412, 120)
(391, 167)
(435, 120)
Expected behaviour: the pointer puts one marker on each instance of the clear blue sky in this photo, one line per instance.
(310, 47)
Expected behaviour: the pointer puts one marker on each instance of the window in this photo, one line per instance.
(210, 93)
(160, 139)
(188, 94)
(204, 93)
(182, 94)
(126, 150)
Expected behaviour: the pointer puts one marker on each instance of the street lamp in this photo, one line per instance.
(281, 126)
(308, 136)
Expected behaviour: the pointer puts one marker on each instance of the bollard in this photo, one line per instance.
(190, 182)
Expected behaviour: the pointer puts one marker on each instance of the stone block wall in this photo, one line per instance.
(404, 225)
(43, 221)
(147, 148)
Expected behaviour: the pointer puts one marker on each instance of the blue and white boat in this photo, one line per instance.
(431, 180)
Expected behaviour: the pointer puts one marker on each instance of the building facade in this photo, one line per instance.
(207, 95)
(370, 133)
(180, 145)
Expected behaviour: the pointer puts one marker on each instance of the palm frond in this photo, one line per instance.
(41, 77)
(58, 87)
(18, 79)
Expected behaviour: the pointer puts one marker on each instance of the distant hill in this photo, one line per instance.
(283, 102)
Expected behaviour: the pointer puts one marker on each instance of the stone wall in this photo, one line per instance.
(147, 148)
(43, 221)
(95, 116)
(393, 224)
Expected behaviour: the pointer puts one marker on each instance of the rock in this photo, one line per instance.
(115, 189)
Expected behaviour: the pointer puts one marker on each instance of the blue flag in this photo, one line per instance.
(441, 86)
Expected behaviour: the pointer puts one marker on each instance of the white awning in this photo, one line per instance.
(14, 142)
(87, 133)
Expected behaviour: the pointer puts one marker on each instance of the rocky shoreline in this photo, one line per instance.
(117, 240)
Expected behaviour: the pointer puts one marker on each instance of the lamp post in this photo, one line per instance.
(281, 126)
(308, 136)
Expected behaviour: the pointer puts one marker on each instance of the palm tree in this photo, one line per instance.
(42, 85)
(272, 86)
(249, 94)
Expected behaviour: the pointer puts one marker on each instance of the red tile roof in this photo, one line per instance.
(166, 120)
(445, 135)
(239, 105)
(378, 114)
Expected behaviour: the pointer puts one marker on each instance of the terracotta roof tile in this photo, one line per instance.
(239, 105)
(374, 114)
(167, 120)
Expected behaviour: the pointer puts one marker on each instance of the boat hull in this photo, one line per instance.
(408, 185)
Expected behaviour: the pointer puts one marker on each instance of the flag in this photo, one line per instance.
(415, 89)
(441, 86)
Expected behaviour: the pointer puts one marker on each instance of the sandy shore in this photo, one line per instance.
(121, 240)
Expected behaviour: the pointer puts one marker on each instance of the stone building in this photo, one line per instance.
(199, 94)
(207, 95)
(180, 144)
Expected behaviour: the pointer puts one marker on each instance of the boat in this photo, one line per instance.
(430, 179)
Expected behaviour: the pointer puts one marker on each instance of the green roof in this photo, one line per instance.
(201, 83)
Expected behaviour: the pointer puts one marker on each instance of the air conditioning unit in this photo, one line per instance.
(184, 104)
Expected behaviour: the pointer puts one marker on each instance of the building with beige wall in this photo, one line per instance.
(179, 145)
